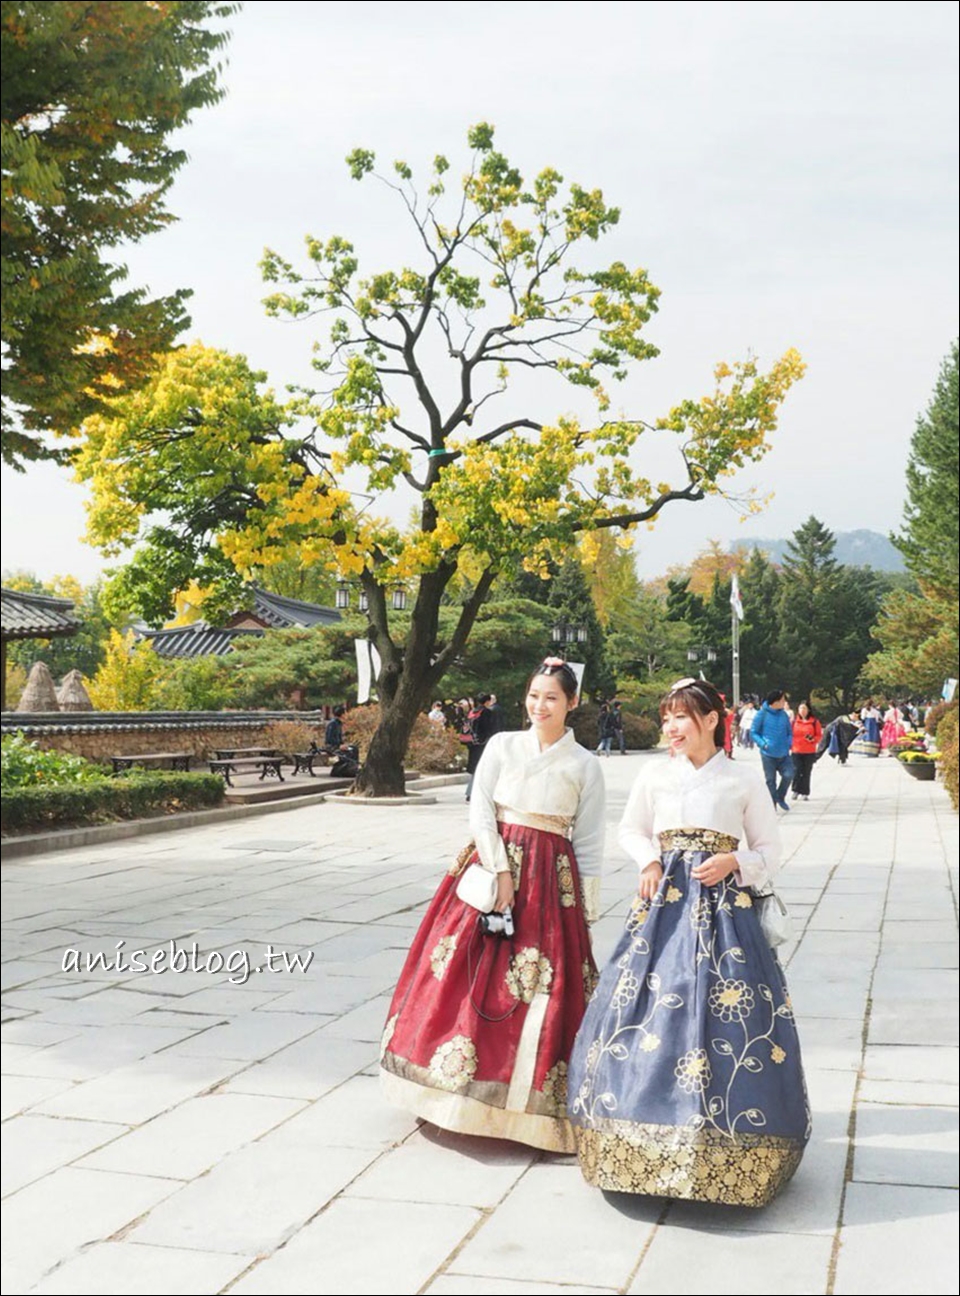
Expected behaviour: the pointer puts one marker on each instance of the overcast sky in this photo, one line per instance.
(787, 173)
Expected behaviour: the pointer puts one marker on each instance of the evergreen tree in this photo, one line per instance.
(91, 94)
(760, 666)
(930, 539)
(826, 612)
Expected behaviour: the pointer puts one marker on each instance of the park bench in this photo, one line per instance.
(162, 760)
(228, 766)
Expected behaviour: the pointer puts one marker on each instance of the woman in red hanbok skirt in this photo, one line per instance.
(482, 1024)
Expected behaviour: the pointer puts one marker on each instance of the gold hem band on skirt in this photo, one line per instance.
(687, 1163)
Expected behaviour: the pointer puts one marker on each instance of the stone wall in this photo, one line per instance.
(100, 735)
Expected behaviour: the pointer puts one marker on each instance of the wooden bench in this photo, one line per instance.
(244, 753)
(164, 760)
(228, 766)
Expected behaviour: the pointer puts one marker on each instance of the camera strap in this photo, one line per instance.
(473, 971)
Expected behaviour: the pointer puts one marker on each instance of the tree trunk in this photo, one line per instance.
(382, 773)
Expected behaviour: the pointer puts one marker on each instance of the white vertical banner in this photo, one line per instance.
(368, 669)
(735, 600)
(578, 668)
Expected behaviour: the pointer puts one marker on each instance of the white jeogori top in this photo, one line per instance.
(565, 780)
(727, 796)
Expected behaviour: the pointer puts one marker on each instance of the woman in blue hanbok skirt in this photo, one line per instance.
(686, 1079)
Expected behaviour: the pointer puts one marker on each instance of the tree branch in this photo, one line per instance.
(464, 625)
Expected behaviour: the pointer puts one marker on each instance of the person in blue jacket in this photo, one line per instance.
(772, 732)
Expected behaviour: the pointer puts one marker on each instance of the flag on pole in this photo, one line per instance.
(735, 602)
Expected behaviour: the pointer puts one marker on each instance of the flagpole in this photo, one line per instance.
(736, 615)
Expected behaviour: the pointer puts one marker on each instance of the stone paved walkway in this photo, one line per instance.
(199, 1131)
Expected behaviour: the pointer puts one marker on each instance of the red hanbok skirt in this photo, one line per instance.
(481, 1026)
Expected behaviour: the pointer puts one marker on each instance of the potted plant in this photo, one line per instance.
(919, 764)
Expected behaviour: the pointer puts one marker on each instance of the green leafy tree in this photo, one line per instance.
(760, 665)
(317, 666)
(563, 590)
(90, 96)
(930, 539)
(917, 633)
(196, 684)
(645, 644)
(414, 363)
(826, 611)
(919, 644)
(507, 635)
(127, 678)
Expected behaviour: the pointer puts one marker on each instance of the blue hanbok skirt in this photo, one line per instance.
(868, 742)
(686, 1079)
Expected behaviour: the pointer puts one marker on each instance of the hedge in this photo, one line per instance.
(131, 796)
(948, 745)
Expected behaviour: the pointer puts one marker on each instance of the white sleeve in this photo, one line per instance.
(759, 861)
(636, 834)
(589, 824)
(483, 809)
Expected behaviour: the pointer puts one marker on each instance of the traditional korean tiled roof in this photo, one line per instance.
(196, 640)
(36, 616)
(286, 613)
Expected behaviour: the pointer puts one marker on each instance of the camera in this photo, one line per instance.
(497, 924)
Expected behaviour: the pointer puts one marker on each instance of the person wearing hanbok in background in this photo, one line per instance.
(481, 1024)
(807, 732)
(686, 1078)
(839, 736)
(868, 743)
(893, 729)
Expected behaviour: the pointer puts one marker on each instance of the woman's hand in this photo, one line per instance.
(505, 892)
(650, 880)
(713, 870)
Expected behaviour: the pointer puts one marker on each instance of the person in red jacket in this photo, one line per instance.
(807, 732)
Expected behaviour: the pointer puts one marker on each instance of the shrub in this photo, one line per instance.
(290, 736)
(135, 796)
(947, 736)
(640, 731)
(24, 764)
(433, 749)
(935, 714)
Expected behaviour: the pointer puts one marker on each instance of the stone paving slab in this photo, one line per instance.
(897, 1238)
(119, 1268)
(192, 1135)
(734, 1262)
(334, 1253)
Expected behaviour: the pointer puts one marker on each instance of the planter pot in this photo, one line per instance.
(925, 771)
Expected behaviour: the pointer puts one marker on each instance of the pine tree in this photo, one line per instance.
(930, 539)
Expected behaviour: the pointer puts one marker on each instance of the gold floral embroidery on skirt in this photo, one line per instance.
(555, 1089)
(530, 973)
(442, 954)
(454, 1064)
(515, 858)
(691, 1164)
(463, 859)
(590, 978)
(568, 892)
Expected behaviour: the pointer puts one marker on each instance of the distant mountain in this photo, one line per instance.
(854, 548)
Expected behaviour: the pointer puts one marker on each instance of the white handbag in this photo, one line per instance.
(477, 887)
(775, 921)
